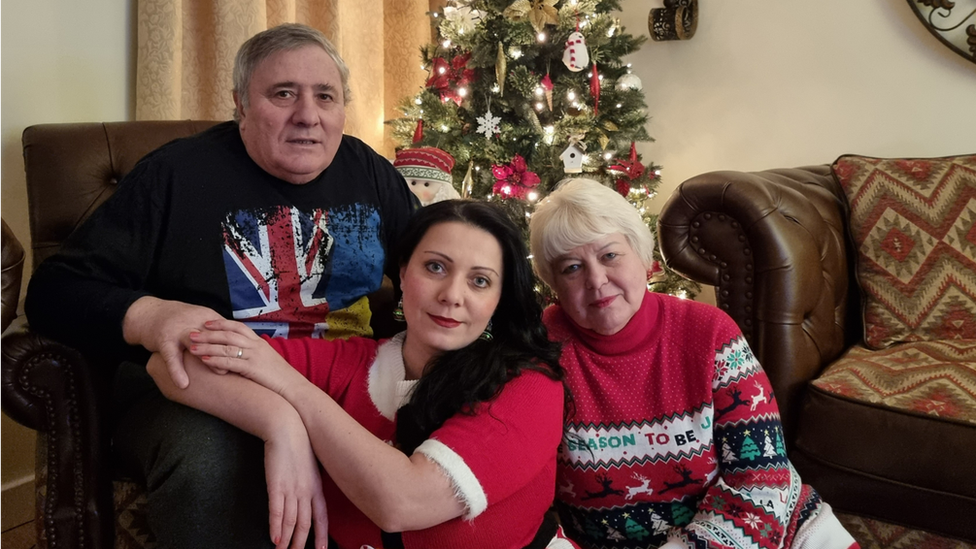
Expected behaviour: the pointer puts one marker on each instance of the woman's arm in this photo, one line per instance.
(397, 492)
(295, 496)
(753, 469)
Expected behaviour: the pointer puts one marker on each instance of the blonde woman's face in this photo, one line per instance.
(600, 285)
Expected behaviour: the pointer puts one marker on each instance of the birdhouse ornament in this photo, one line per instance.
(572, 158)
(428, 173)
(575, 56)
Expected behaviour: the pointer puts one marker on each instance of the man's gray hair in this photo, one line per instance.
(264, 44)
(579, 212)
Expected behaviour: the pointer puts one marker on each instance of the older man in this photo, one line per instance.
(278, 220)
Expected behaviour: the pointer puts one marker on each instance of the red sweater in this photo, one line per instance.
(676, 438)
(502, 459)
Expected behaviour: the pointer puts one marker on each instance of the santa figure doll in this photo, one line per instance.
(428, 172)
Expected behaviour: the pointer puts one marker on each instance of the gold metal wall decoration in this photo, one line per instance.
(953, 22)
(677, 20)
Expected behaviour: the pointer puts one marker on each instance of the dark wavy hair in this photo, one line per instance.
(456, 381)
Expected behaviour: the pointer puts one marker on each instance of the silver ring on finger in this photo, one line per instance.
(240, 352)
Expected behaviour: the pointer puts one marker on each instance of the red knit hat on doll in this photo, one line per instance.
(428, 172)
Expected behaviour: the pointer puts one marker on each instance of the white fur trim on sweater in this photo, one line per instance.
(823, 531)
(387, 388)
(467, 488)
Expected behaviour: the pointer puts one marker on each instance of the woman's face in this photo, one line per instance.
(451, 286)
(600, 285)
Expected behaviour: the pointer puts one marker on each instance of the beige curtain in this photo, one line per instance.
(186, 53)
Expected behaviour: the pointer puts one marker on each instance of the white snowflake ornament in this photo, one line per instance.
(488, 124)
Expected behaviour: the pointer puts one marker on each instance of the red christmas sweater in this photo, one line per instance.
(502, 463)
(676, 439)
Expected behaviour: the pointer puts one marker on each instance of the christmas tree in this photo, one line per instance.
(768, 449)
(749, 450)
(525, 93)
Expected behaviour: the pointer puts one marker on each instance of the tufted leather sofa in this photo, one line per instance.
(774, 245)
(71, 169)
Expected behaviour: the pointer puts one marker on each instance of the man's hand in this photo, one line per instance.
(163, 327)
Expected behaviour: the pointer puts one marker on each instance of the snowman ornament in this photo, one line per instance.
(428, 173)
(575, 56)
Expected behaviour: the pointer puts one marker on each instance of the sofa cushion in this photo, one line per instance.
(937, 378)
(903, 416)
(913, 222)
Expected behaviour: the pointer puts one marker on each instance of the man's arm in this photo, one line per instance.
(80, 295)
(93, 294)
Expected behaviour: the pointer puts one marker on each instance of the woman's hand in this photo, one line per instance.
(295, 498)
(230, 346)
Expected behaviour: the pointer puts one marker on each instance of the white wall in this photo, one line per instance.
(780, 84)
(61, 62)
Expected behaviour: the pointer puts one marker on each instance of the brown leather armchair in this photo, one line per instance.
(774, 245)
(49, 387)
(71, 170)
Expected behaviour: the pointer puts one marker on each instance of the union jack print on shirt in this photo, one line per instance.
(280, 261)
(277, 266)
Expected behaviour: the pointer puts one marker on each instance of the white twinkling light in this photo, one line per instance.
(418, 101)
(447, 44)
(541, 37)
(571, 95)
(463, 92)
(550, 132)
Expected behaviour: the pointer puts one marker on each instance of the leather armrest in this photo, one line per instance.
(773, 244)
(13, 272)
(47, 387)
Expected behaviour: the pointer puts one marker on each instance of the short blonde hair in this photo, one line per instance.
(578, 212)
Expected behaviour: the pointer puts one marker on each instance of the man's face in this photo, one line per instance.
(293, 123)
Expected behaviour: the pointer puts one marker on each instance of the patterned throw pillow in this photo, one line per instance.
(914, 224)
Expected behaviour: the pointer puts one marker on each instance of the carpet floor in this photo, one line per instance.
(874, 534)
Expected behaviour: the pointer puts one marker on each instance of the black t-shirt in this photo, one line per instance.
(199, 221)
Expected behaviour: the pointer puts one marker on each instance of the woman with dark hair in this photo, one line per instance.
(442, 436)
